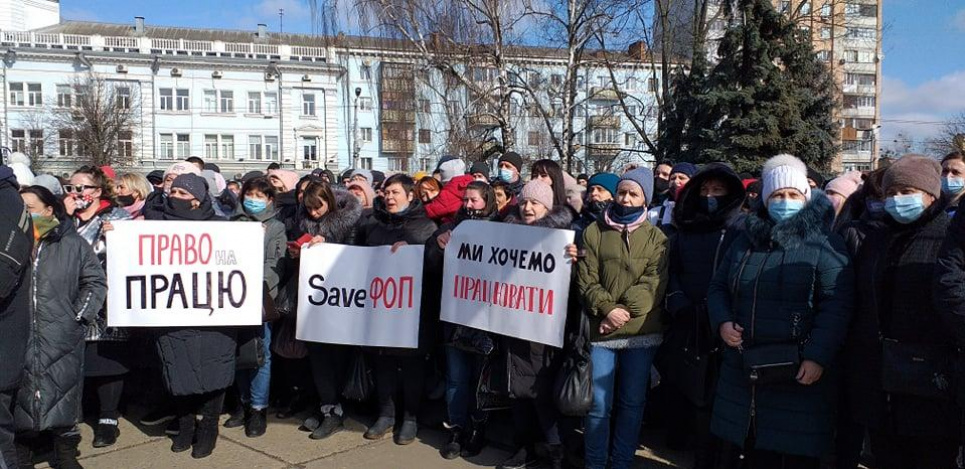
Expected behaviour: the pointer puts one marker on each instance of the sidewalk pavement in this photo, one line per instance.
(284, 447)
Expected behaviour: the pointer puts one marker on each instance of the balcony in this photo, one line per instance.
(604, 93)
(598, 122)
(603, 149)
(859, 89)
(397, 115)
(397, 146)
(483, 121)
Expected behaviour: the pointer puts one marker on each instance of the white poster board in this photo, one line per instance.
(508, 279)
(185, 273)
(360, 295)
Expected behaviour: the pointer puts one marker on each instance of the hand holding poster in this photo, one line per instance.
(175, 273)
(508, 279)
(360, 295)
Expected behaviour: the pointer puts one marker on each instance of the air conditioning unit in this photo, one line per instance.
(305, 77)
(269, 76)
(175, 72)
(216, 74)
(122, 69)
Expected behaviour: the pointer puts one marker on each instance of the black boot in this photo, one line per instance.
(182, 441)
(453, 448)
(407, 432)
(332, 424)
(25, 454)
(475, 441)
(238, 417)
(257, 423)
(207, 433)
(524, 458)
(555, 454)
(105, 434)
(378, 429)
(65, 451)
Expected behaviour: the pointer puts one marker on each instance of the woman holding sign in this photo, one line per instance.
(463, 363)
(622, 282)
(198, 364)
(68, 290)
(533, 366)
(399, 219)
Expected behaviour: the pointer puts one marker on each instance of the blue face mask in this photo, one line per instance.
(783, 209)
(905, 208)
(506, 175)
(952, 186)
(710, 204)
(254, 206)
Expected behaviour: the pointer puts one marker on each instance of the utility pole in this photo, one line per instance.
(281, 20)
(355, 131)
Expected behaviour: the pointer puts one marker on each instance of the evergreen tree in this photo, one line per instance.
(768, 94)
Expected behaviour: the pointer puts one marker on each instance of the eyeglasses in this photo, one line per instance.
(70, 189)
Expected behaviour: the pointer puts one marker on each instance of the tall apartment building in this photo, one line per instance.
(847, 37)
(247, 98)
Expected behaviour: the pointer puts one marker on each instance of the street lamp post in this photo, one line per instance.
(355, 131)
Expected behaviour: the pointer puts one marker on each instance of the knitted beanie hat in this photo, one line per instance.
(918, 171)
(182, 167)
(512, 158)
(193, 184)
(845, 185)
(607, 181)
(684, 168)
(784, 172)
(451, 168)
(538, 191)
(644, 178)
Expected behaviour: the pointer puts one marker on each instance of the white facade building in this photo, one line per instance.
(23, 15)
(243, 99)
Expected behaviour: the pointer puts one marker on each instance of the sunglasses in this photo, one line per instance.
(78, 188)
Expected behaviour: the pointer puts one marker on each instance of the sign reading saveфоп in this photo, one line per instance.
(360, 295)
(508, 279)
(185, 273)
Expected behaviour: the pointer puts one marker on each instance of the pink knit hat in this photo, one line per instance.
(288, 178)
(538, 191)
(367, 190)
(845, 185)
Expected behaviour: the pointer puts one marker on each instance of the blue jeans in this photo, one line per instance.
(630, 389)
(253, 385)
(462, 378)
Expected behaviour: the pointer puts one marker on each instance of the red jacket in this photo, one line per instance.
(444, 207)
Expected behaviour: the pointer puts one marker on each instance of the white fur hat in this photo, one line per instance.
(782, 172)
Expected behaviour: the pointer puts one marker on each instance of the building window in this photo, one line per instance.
(184, 100)
(631, 111)
(254, 102)
(653, 84)
(271, 103)
(210, 101)
(271, 148)
(365, 104)
(310, 148)
(785, 6)
(366, 134)
(210, 147)
(308, 104)
(534, 79)
(826, 10)
(365, 162)
(860, 79)
(862, 33)
(65, 141)
(629, 139)
(228, 147)
(366, 72)
(183, 146)
(35, 97)
(425, 164)
(254, 147)
(824, 55)
(556, 80)
(532, 138)
(806, 8)
(167, 99)
(18, 140)
(123, 97)
(36, 142)
(166, 147)
(399, 164)
(605, 136)
(227, 102)
(825, 33)
(425, 136)
(125, 143)
(425, 106)
(854, 102)
(64, 96)
(17, 95)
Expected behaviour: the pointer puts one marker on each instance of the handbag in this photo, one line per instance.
(919, 370)
(688, 359)
(268, 311)
(772, 363)
(250, 354)
(472, 340)
(285, 344)
(574, 381)
(492, 392)
(360, 384)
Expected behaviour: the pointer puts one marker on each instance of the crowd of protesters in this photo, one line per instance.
(768, 321)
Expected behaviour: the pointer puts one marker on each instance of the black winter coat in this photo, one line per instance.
(197, 360)
(532, 366)
(16, 245)
(69, 288)
(896, 271)
(413, 227)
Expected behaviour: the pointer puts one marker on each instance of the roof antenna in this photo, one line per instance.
(281, 20)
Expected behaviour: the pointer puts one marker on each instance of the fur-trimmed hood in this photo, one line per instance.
(813, 221)
(687, 212)
(561, 217)
(335, 226)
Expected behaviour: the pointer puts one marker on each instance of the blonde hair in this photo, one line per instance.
(136, 183)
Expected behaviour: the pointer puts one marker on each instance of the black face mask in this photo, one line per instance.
(125, 200)
(660, 185)
(179, 205)
(596, 208)
(474, 214)
(710, 204)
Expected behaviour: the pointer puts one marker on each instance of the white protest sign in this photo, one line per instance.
(360, 295)
(185, 273)
(508, 279)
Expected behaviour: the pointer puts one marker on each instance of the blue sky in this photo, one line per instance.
(923, 67)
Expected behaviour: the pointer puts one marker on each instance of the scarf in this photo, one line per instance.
(177, 209)
(628, 222)
(43, 225)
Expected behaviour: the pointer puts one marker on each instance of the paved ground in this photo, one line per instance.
(284, 447)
